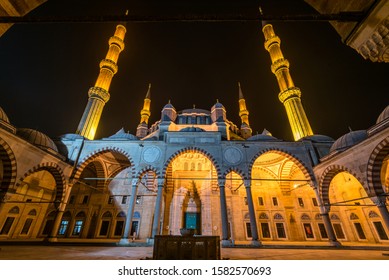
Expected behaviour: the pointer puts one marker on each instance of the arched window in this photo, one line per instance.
(263, 216)
(305, 217)
(278, 216)
(354, 216)
(334, 217)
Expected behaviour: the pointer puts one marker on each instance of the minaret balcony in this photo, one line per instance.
(280, 63)
(99, 93)
(110, 65)
(272, 40)
(289, 93)
(116, 41)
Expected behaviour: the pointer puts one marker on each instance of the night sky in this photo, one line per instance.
(47, 69)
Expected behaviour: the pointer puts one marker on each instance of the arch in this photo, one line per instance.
(32, 212)
(374, 166)
(107, 214)
(92, 157)
(278, 216)
(81, 214)
(238, 171)
(354, 216)
(98, 170)
(318, 217)
(247, 216)
(121, 214)
(305, 217)
(263, 216)
(57, 174)
(335, 217)
(373, 214)
(191, 149)
(306, 171)
(14, 210)
(9, 168)
(147, 169)
(328, 174)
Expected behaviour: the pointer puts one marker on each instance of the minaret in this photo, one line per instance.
(99, 95)
(145, 113)
(245, 128)
(289, 94)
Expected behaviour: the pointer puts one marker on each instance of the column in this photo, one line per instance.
(157, 211)
(58, 217)
(324, 213)
(380, 201)
(130, 214)
(253, 221)
(223, 212)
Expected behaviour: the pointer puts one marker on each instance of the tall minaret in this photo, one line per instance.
(245, 128)
(99, 95)
(145, 113)
(289, 94)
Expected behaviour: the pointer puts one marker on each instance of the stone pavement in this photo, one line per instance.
(106, 252)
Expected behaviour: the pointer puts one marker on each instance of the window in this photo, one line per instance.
(248, 231)
(380, 230)
(119, 228)
(48, 226)
(77, 227)
(314, 201)
(104, 228)
(301, 201)
(339, 231)
(260, 200)
(275, 201)
(124, 199)
(110, 199)
(280, 230)
(85, 199)
(7, 225)
(323, 231)
(63, 227)
(265, 230)
(26, 226)
(138, 199)
(308, 230)
(359, 230)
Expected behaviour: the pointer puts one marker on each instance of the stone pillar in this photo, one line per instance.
(380, 201)
(157, 211)
(58, 217)
(253, 221)
(223, 213)
(130, 214)
(324, 213)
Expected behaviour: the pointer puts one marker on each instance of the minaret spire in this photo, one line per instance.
(145, 113)
(245, 129)
(99, 95)
(289, 95)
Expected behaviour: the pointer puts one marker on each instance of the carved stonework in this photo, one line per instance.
(376, 48)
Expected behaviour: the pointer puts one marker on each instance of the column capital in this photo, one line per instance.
(161, 181)
(221, 182)
(247, 183)
(134, 182)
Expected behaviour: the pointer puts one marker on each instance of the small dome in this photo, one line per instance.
(218, 105)
(262, 137)
(168, 106)
(348, 140)
(121, 135)
(3, 116)
(36, 138)
(192, 129)
(384, 115)
(318, 138)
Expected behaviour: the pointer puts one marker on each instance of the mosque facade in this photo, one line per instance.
(197, 170)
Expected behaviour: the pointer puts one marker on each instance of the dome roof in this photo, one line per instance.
(192, 129)
(318, 138)
(168, 106)
(121, 135)
(348, 140)
(3, 116)
(262, 137)
(36, 138)
(218, 105)
(384, 115)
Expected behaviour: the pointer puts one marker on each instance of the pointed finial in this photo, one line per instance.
(148, 94)
(126, 13)
(240, 92)
(194, 106)
(261, 16)
(169, 102)
(217, 100)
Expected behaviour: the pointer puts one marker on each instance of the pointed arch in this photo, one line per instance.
(55, 171)
(196, 150)
(147, 169)
(95, 154)
(9, 168)
(374, 166)
(295, 159)
(325, 180)
(238, 171)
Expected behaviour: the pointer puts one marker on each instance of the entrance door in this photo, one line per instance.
(192, 220)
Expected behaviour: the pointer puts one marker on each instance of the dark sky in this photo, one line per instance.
(47, 69)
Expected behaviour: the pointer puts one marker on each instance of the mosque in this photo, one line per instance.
(195, 169)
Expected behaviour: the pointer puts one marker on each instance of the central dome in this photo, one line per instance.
(37, 138)
(348, 140)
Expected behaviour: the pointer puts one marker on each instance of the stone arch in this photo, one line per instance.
(9, 168)
(328, 174)
(147, 169)
(374, 166)
(306, 171)
(238, 171)
(57, 174)
(95, 154)
(192, 149)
